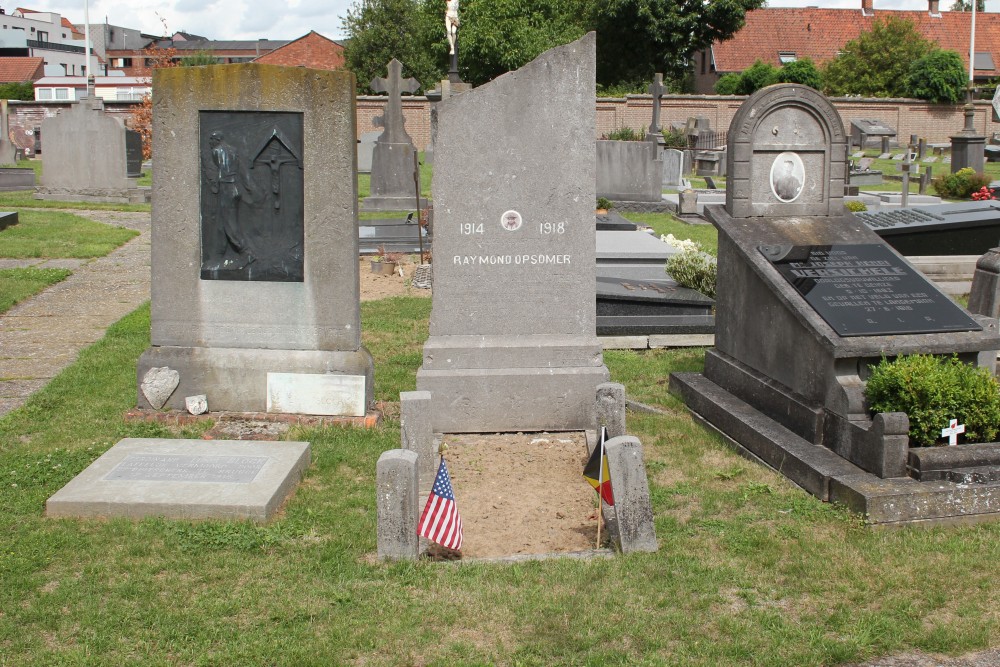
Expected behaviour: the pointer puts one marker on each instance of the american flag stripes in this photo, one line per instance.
(441, 521)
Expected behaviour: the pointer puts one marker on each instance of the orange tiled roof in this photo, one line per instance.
(311, 50)
(19, 70)
(820, 33)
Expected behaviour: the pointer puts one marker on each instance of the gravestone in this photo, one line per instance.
(512, 343)
(86, 156)
(185, 479)
(255, 283)
(807, 300)
(673, 166)
(863, 129)
(629, 171)
(392, 160)
(133, 154)
(8, 151)
(656, 89)
(366, 149)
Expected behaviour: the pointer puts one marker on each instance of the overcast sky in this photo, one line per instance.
(247, 19)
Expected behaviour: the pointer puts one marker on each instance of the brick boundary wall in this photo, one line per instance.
(935, 122)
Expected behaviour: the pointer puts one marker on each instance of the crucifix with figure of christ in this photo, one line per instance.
(392, 118)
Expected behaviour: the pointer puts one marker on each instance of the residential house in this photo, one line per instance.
(778, 35)
(311, 50)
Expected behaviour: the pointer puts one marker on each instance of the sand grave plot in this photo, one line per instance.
(522, 493)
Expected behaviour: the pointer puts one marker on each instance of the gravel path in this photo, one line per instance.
(41, 336)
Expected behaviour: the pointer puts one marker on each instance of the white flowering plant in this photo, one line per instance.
(692, 267)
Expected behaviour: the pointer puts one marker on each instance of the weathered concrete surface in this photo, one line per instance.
(631, 492)
(167, 489)
(611, 408)
(417, 435)
(396, 482)
(512, 333)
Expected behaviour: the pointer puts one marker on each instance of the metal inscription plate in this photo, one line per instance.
(178, 468)
(865, 290)
(251, 196)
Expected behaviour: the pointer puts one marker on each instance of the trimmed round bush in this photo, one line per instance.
(934, 390)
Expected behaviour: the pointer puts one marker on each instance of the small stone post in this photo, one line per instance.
(631, 491)
(397, 505)
(416, 434)
(885, 145)
(984, 299)
(611, 408)
(921, 148)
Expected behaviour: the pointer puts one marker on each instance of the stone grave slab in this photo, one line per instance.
(884, 156)
(366, 148)
(632, 247)
(898, 156)
(634, 306)
(185, 479)
(392, 234)
(7, 219)
(962, 228)
(612, 222)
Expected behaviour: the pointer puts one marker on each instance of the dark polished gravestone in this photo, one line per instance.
(391, 235)
(963, 228)
(629, 306)
(863, 290)
(808, 299)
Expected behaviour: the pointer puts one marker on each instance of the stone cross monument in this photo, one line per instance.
(392, 159)
(656, 89)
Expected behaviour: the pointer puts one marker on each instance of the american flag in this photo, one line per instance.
(440, 521)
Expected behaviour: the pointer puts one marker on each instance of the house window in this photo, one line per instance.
(32, 30)
(785, 57)
(43, 36)
(984, 61)
(62, 93)
(45, 93)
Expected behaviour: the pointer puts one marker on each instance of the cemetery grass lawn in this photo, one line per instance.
(26, 199)
(16, 285)
(665, 223)
(55, 234)
(750, 571)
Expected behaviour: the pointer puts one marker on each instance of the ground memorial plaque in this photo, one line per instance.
(867, 290)
(512, 342)
(808, 298)
(185, 479)
(254, 240)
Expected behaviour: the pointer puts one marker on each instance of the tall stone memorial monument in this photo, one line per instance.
(808, 298)
(512, 343)
(392, 159)
(85, 157)
(255, 284)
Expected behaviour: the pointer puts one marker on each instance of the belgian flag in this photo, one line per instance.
(596, 471)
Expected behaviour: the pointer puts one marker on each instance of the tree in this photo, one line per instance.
(728, 84)
(939, 76)
(877, 62)
(757, 76)
(802, 71)
(966, 6)
(637, 38)
(141, 118)
(17, 91)
(498, 36)
(380, 30)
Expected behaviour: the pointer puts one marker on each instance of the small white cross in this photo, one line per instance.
(954, 428)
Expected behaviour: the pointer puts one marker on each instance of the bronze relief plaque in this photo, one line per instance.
(251, 195)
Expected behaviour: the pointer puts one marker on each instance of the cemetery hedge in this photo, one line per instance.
(933, 390)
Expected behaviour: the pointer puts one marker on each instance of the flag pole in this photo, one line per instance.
(600, 483)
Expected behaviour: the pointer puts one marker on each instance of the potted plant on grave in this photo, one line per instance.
(603, 206)
(386, 263)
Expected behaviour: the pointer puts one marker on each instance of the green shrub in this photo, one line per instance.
(961, 184)
(934, 390)
(675, 139)
(605, 203)
(802, 71)
(694, 269)
(856, 206)
(626, 134)
(938, 76)
(728, 84)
